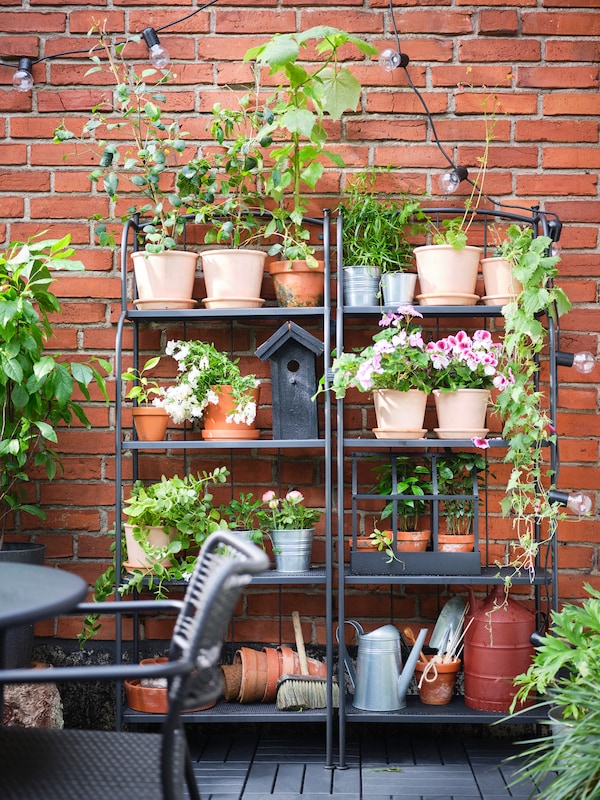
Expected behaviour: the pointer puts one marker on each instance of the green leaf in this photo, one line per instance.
(299, 120)
(342, 91)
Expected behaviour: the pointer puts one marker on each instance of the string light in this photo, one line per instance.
(584, 362)
(159, 55)
(579, 502)
(451, 180)
(23, 79)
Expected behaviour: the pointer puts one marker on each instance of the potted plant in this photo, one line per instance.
(290, 527)
(37, 390)
(168, 521)
(142, 159)
(221, 190)
(396, 368)
(294, 116)
(375, 243)
(565, 675)
(210, 386)
(240, 514)
(464, 369)
(501, 285)
(148, 415)
(457, 474)
(409, 477)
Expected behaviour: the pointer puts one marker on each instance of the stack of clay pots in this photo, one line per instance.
(253, 676)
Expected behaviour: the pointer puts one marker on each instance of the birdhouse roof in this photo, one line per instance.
(289, 331)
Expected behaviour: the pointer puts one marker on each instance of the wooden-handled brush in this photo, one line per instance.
(304, 691)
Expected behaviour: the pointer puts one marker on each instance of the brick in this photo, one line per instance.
(19, 181)
(499, 50)
(261, 22)
(557, 77)
(551, 184)
(579, 50)
(19, 46)
(572, 103)
(554, 130)
(571, 158)
(31, 21)
(549, 23)
(498, 23)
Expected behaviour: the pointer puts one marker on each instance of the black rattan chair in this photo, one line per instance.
(38, 764)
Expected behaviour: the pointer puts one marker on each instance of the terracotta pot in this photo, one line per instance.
(413, 541)
(289, 662)
(136, 557)
(461, 413)
(498, 280)
(437, 686)
(167, 276)
(442, 270)
(217, 424)
(232, 681)
(150, 423)
(400, 412)
(151, 695)
(297, 285)
(456, 542)
(273, 673)
(233, 278)
(254, 674)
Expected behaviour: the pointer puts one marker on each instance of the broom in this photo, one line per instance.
(304, 691)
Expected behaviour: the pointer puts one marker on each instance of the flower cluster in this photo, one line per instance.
(286, 513)
(202, 370)
(461, 361)
(397, 359)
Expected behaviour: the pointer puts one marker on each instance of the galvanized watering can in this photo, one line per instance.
(380, 682)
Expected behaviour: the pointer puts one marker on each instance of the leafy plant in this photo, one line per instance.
(455, 475)
(201, 368)
(241, 514)
(410, 477)
(375, 228)
(144, 387)
(293, 120)
(286, 513)
(36, 388)
(134, 109)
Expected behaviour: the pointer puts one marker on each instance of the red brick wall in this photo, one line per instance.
(545, 151)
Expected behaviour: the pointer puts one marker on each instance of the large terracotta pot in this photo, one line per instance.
(233, 278)
(150, 423)
(165, 280)
(297, 285)
(461, 413)
(400, 413)
(218, 423)
(456, 542)
(150, 695)
(447, 276)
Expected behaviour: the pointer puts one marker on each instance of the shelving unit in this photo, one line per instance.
(135, 320)
(429, 568)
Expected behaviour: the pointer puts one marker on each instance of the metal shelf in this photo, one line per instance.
(227, 314)
(226, 444)
(235, 712)
(490, 576)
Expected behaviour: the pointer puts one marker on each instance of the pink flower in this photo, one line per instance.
(268, 496)
(478, 441)
(294, 497)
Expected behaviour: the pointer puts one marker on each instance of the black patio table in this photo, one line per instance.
(29, 593)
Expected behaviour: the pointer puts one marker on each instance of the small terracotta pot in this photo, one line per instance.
(150, 695)
(297, 285)
(232, 681)
(150, 423)
(254, 674)
(273, 673)
(437, 687)
(216, 424)
(456, 542)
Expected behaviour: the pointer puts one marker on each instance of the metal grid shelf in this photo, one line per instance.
(489, 576)
(235, 712)
(226, 444)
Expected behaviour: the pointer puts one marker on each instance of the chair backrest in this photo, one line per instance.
(225, 565)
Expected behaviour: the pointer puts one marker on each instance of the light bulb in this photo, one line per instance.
(158, 55)
(389, 60)
(451, 180)
(23, 79)
(556, 249)
(584, 362)
(579, 503)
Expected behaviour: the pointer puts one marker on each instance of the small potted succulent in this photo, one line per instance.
(294, 116)
(290, 526)
(210, 386)
(150, 418)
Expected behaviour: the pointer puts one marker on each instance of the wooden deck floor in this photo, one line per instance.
(382, 764)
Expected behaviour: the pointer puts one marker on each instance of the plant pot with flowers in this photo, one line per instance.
(294, 115)
(396, 368)
(167, 523)
(464, 370)
(291, 527)
(139, 161)
(149, 418)
(210, 386)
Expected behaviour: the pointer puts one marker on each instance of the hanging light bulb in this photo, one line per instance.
(584, 362)
(159, 55)
(579, 503)
(23, 79)
(389, 60)
(451, 180)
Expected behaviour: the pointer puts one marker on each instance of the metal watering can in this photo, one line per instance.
(380, 682)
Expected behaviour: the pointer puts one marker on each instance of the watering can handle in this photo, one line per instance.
(344, 653)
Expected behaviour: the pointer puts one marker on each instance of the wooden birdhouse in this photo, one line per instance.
(292, 353)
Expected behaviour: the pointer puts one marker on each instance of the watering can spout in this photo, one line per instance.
(409, 667)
